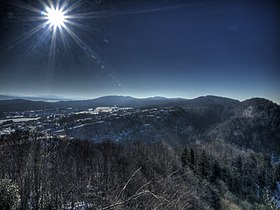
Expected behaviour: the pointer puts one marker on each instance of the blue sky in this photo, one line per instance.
(168, 48)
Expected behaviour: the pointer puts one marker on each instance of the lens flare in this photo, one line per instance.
(61, 21)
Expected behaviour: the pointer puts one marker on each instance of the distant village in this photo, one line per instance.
(96, 124)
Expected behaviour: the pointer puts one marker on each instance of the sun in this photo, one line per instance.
(56, 17)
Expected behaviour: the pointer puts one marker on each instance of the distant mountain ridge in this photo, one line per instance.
(253, 123)
(121, 101)
(47, 98)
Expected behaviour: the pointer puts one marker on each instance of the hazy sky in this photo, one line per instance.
(144, 48)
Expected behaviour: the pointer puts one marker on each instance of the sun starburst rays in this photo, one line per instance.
(57, 20)
(51, 15)
(52, 20)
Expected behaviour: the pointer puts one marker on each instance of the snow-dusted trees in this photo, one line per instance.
(9, 195)
(49, 173)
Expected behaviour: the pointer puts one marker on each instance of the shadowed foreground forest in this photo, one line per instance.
(41, 173)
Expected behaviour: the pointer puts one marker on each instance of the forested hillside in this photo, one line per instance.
(254, 124)
(39, 173)
(205, 153)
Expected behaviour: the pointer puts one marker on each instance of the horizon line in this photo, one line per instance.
(57, 98)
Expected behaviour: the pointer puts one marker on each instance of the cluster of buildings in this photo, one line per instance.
(96, 124)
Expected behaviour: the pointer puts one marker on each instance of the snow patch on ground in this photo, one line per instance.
(248, 112)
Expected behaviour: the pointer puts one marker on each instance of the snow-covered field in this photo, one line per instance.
(20, 119)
